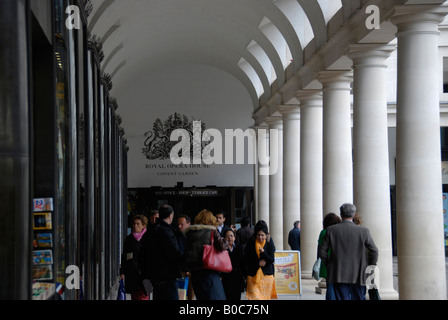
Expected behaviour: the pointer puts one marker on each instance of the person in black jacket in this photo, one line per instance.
(130, 271)
(244, 233)
(206, 283)
(233, 281)
(294, 236)
(259, 259)
(164, 256)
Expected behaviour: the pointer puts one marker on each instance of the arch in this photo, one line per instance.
(252, 75)
(264, 61)
(259, 69)
(111, 56)
(329, 8)
(313, 9)
(99, 13)
(297, 17)
(263, 39)
(278, 41)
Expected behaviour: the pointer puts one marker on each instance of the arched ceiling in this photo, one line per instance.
(254, 40)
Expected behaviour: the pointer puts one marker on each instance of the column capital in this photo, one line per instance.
(327, 76)
(290, 112)
(336, 79)
(405, 16)
(359, 51)
(310, 97)
(262, 126)
(274, 122)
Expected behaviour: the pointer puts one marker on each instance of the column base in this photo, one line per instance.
(319, 290)
(321, 287)
(387, 295)
(307, 275)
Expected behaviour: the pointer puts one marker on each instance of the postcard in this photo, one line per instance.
(42, 257)
(43, 272)
(43, 204)
(42, 221)
(44, 240)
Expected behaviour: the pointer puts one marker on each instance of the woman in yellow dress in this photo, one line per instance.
(259, 255)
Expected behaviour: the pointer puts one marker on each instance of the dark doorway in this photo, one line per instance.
(191, 201)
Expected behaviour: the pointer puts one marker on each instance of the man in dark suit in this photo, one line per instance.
(294, 237)
(352, 250)
(221, 219)
(164, 257)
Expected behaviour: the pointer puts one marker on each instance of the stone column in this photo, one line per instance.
(311, 115)
(263, 179)
(276, 182)
(421, 251)
(337, 140)
(256, 188)
(15, 157)
(291, 169)
(371, 153)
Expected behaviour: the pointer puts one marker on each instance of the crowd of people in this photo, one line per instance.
(157, 254)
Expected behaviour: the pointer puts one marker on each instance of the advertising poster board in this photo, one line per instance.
(288, 273)
(445, 217)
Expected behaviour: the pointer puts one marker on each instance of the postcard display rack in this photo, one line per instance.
(43, 280)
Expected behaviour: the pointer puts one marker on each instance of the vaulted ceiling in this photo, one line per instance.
(260, 42)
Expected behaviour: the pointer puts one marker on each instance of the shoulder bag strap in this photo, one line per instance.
(212, 237)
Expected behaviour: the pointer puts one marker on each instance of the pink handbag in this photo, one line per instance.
(214, 260)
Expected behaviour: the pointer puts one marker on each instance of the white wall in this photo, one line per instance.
(198, 91)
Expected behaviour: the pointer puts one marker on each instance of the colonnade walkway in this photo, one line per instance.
(309, 286)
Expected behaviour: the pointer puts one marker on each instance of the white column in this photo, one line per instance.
(276, 185)
(310, 176)
(263, 181)
(421, 255)
(256, 189)
(256, 168)
(371, 153)
(337, 140)
(291, 169)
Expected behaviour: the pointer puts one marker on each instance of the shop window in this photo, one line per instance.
(44, 175)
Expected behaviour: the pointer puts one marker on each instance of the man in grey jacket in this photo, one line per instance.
(352, 250)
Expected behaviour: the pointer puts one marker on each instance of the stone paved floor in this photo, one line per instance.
(309, 285)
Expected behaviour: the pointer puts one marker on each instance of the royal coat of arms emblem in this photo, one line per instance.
(158, 144)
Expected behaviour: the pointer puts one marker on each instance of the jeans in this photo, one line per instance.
(349, 291)
(207, 285)
(166, 290)
(329, 295)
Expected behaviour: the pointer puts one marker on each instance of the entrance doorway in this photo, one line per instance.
(236, 202)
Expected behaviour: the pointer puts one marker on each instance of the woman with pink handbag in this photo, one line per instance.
(206, 283)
